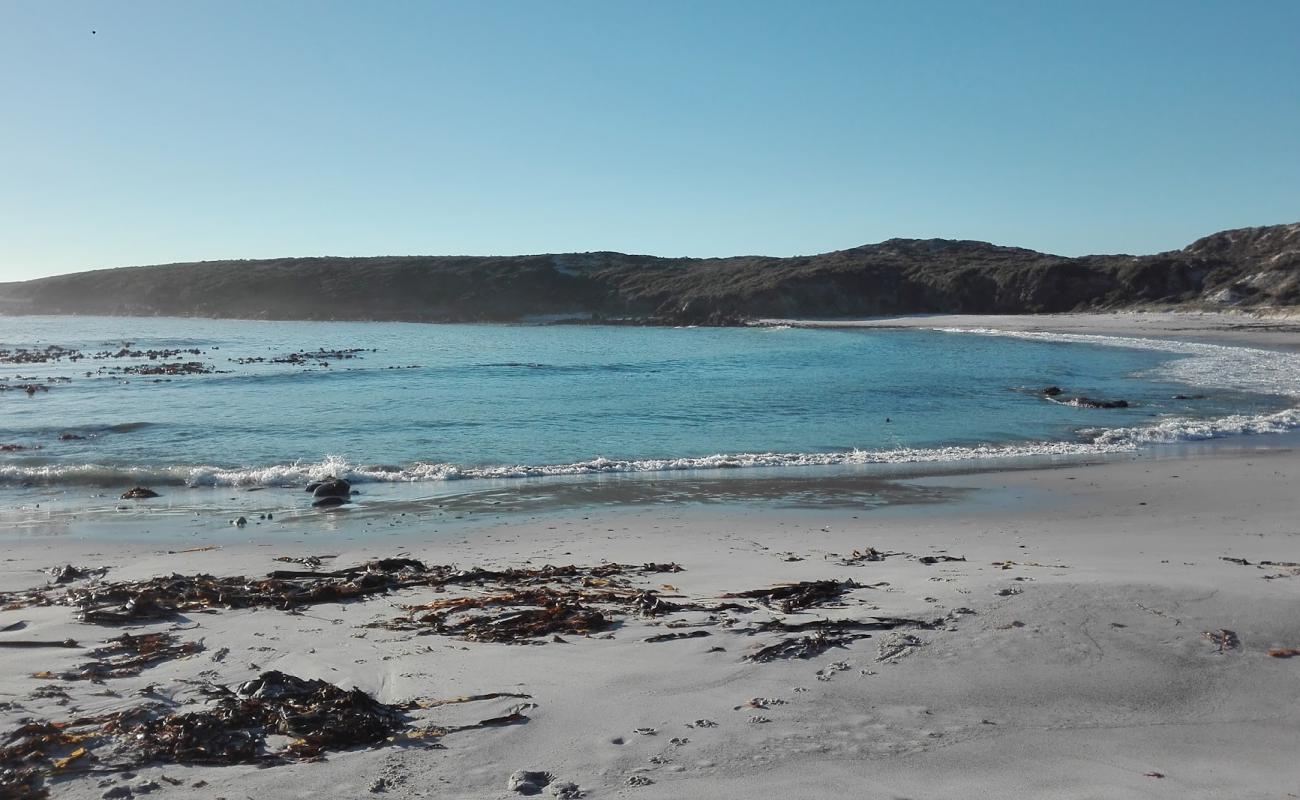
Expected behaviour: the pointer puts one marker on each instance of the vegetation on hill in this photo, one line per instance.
(1249, 267)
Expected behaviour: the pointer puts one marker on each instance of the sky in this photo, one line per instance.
(159, 131)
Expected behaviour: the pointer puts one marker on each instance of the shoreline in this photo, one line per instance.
(206, 514)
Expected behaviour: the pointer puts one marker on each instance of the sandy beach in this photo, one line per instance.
(1061, 629)
(1278, 328)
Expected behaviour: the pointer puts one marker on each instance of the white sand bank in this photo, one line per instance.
(1083, 671)
(1274, 330)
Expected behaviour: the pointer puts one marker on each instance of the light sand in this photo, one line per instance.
(1276, 329)
(1107, 687)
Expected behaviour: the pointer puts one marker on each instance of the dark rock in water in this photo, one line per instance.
(331, 502)
(15, 448)
(526, 782)
(70, 437)
(1054, 393)
(1188, 397)
(1088, 402)
(139, 493)
(332, 487)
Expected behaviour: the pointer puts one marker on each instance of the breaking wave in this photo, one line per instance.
(1094, 442)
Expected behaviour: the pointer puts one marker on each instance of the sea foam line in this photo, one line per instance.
(1096, 442)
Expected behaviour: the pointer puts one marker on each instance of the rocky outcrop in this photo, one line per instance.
(1249, 267)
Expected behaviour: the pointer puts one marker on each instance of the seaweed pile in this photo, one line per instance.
(522, 605)
(27, 757)
(517, 603)
(318, 717)
(792, 597)
(122, 602)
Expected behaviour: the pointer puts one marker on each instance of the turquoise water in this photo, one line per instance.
(430, 402)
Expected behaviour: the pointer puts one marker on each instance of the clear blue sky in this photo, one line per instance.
(193, 130)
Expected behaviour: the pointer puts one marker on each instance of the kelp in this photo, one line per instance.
(792, 597)
(804, 647)
(30, 754)
(317, 716)
(525, 605)
(116, 603)
(128, 655)
(508, 605)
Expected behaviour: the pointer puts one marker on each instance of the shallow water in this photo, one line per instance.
(431, 402)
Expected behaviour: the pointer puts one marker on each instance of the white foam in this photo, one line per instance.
(1172, 431)
(298, 473)
(1216, 366)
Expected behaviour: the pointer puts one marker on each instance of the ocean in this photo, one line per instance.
(280, 403)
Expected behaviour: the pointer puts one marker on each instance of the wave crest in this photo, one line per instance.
(1096, 442)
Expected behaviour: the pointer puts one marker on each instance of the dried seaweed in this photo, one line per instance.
(1290, 569)
(68, 573)
(311, 562)
(128, 655)
(518, 625)
(866, 554)
(792, 597)
(166, 597)
(804, 647)
(31, 753)
(521, 603)
(831, 626)
(668, 637)
(20, 643)
(318, 715)
(525, 605)
(473, 698)
(939, 559)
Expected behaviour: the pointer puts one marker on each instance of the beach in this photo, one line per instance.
(1097, 626)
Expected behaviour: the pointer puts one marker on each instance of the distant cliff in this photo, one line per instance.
(1249, 267)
